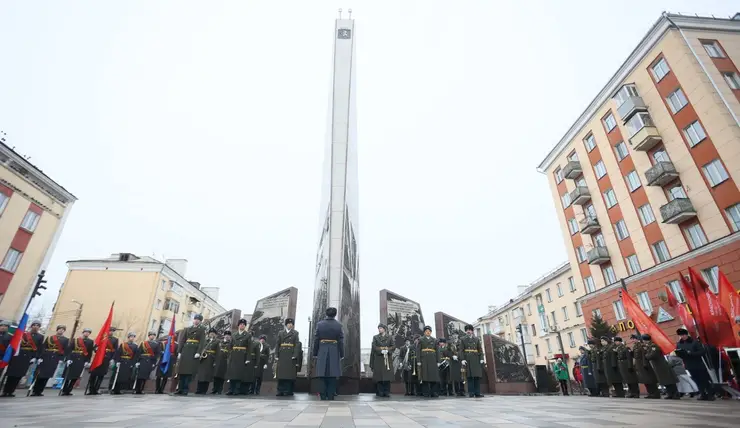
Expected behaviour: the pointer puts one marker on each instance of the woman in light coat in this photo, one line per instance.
(686, 385)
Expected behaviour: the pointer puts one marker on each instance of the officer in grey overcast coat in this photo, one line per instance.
(328, 349)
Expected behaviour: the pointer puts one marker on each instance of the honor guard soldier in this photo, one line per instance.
(627, 367)
(80, 351)
(611, 366)
(98, 373)
(241, 359)
(207, 366)
(408, 367)
(428, 363)
(125, 364)
(149, 352)
(597, 363)
(381, 362)
(263, 356)
(660, 366)
(286, 356)
(192, 342)
(163, 375)
(645, 374)
(222, 362)
(5, 339)
(30, 351)
(456, 381)
(445, 358)
(53, 350)
(328, 350)
(472, 354)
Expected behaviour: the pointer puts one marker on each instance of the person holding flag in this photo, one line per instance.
(692, 353)
(29, 352)
(80, 351)
(125, 358)
(105, 348)
(167, 361)
(53, 350)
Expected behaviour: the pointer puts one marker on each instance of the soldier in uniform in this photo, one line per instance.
(627, 367)
(125, 364)
(472, 353)
(328, 350)
(80, 351)
(645, 374)
(98, 373)
(611, 366)
(162, 376)
(191, 344)
(30, 351)
(222, 361)
(587, 371)
(444, 357)
(263, 356)
(149, 352)
(455, 368)
(428, 363)
(408, 367)
(660, 366)
(381, 363)
(53, 350)
(286, 355)
(597, 365)
(240, 369)
(207, 366)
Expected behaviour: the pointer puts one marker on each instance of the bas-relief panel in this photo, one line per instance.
(223, 322)
(269, 317)
(404, 320)
(509, 361)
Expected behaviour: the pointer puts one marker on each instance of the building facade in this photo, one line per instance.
(148, 295)
(33, 211)
(645, 180)
(550, 316)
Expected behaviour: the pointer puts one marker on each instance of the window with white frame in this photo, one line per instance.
(633, 265)
(600, 169)
(633, 181)
(537, 350)
(579, 309)
(660, 252)
(12, 260)
(590, 211)
(3, 201)
(598, 240)
(711, 276)
(610, 122)
(610, 198)
(621, 228)
(646, 214)
(713, 49)
(733, 213)
(618, 310)
(644, 300)
(660, 69)
(676, 192)
(589, 283)
(549, 346)
(159, 304)
(573, 156)
(580, 254)
(548, 295)
(675, 287)
(695, 236)
(694, 133)
(565, 198)
(637, 122)
(529, 309)
(625, 93)
(558, 175)
(715, 172)
(584, 335)
(581, 182)
(589, 142)
(571, 340)
(153, 325)
(554, 319)
(620, 150)
(573, 226)
(30, 221)
(609, 276)
(571, 284)
(660, 155)
(596, 313)
(677, 100)
(565, 313)
(560, 290)
(732, 79)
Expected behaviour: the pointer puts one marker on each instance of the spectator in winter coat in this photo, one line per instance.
(561, 372)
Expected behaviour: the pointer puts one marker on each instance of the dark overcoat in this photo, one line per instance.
(597, 363)
(381, 371)
(207, 365)
(222, 360)
(626, 364)
(611, 364)
(53, 351)
(192, 341)
(691, 352)
(110, 352)
(79, 352)
(455, 374)
(126, 359)
(427, 350)
(409, 368)
(287, 353)
(263, 357)
(173, 361)
(31, 344)
(644, 370)
(242, 350)
(472, 354)
(328, 348)
(662, 369)
(587, 371)
(149, 351)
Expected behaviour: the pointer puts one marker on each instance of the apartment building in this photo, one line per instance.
(644, 180)
(33, 211)
(148, 294)
(549, 315)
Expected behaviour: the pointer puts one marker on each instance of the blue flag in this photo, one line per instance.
(164, 364)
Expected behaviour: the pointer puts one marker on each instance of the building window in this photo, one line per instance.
(566, 199)
(660, 251)
(637, 122)
(733, 213)
(715, 172)
(579, 309)
(675, 287)
(644, 300)
(573, 156)
(660, 69)
(537, 350)
(677, 100)
(633, 181)
(713, 49)
(560, 290)
(573, 226)
(571, 340)
(695, 236)
(30, 221)
(711, 276)
(610, 197)
(694, 133)
(600, 169)
(589, 142)
(621, 228)
(549, 346)
(3, 201)
(558, 175)
(581, 182)
(164, 285)
(153, 326)
(618, 310)
(172, 305)
(529, 309)
(660, 156)
(554, 319)
(596, 313)
(572, 284)
(676, 192)
(620, 150)
(598, 240)
(646, 214)
(159, 304)
(609, 276)
(12, 260)
(547, 293)
(506, 319)
(609, 122)
(625, 93)
(584, 335)
(589, 283)
(633, 265)
(565, 313)
(581, 254)
(590, 211)
(732, 79)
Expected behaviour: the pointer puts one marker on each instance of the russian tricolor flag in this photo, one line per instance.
(15, 342)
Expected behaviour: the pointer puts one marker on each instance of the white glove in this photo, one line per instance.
(481, 361)
(265, 366)
(40, 360)
(179, 354)
(69, 362)
(32, 360)
(439, 364)
(418, 364)
(197, 355)
(276, 358)
(384, 352)
(87, 365)
(454, 357)
(111, 363)
(464, 362)
(247, 362)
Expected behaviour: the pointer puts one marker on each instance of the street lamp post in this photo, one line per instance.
(520, 330)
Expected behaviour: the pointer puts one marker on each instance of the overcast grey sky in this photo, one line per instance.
(197, 130)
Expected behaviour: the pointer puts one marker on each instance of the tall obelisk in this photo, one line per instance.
(337, 282)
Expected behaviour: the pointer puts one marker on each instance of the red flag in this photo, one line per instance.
(645, 324)
(693, 306)
(686, 318)
(717, 323)
(101, 341)
(730, 301)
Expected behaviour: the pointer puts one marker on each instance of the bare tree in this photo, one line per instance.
(128, 322)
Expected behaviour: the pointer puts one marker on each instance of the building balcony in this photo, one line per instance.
(645, 139)
(580, 196)
(590, 225)
(598, 255)
(497, 329)
(630, 106)
(661, 174)
(520, 318)
(527, 339)
(677, 211)
(572, 170)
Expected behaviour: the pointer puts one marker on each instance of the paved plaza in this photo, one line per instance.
(363, 411)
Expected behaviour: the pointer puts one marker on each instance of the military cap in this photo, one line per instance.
(5, 323)
(646, 337)
(152, 333)
(86, 330)
(62, 326)
(682, 331)
(263, 336)
(635, 336)
(442, 340)
(617, 339)
(331, 312)
(289, 321)
(381, 325)
(242, 321)
(591, 341)
(581, 348)
(212, 330)
(227, 333)
(198, 317)
(469, 328)
(36, 322)
(427, 328)
(605, 338)
(131, 334)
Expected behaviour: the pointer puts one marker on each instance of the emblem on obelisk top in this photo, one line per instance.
(344, 33)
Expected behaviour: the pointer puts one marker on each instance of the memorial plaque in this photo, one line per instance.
(223, 322)
(269, 317)
(449, 327)
(509, 365)
(404, 320)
